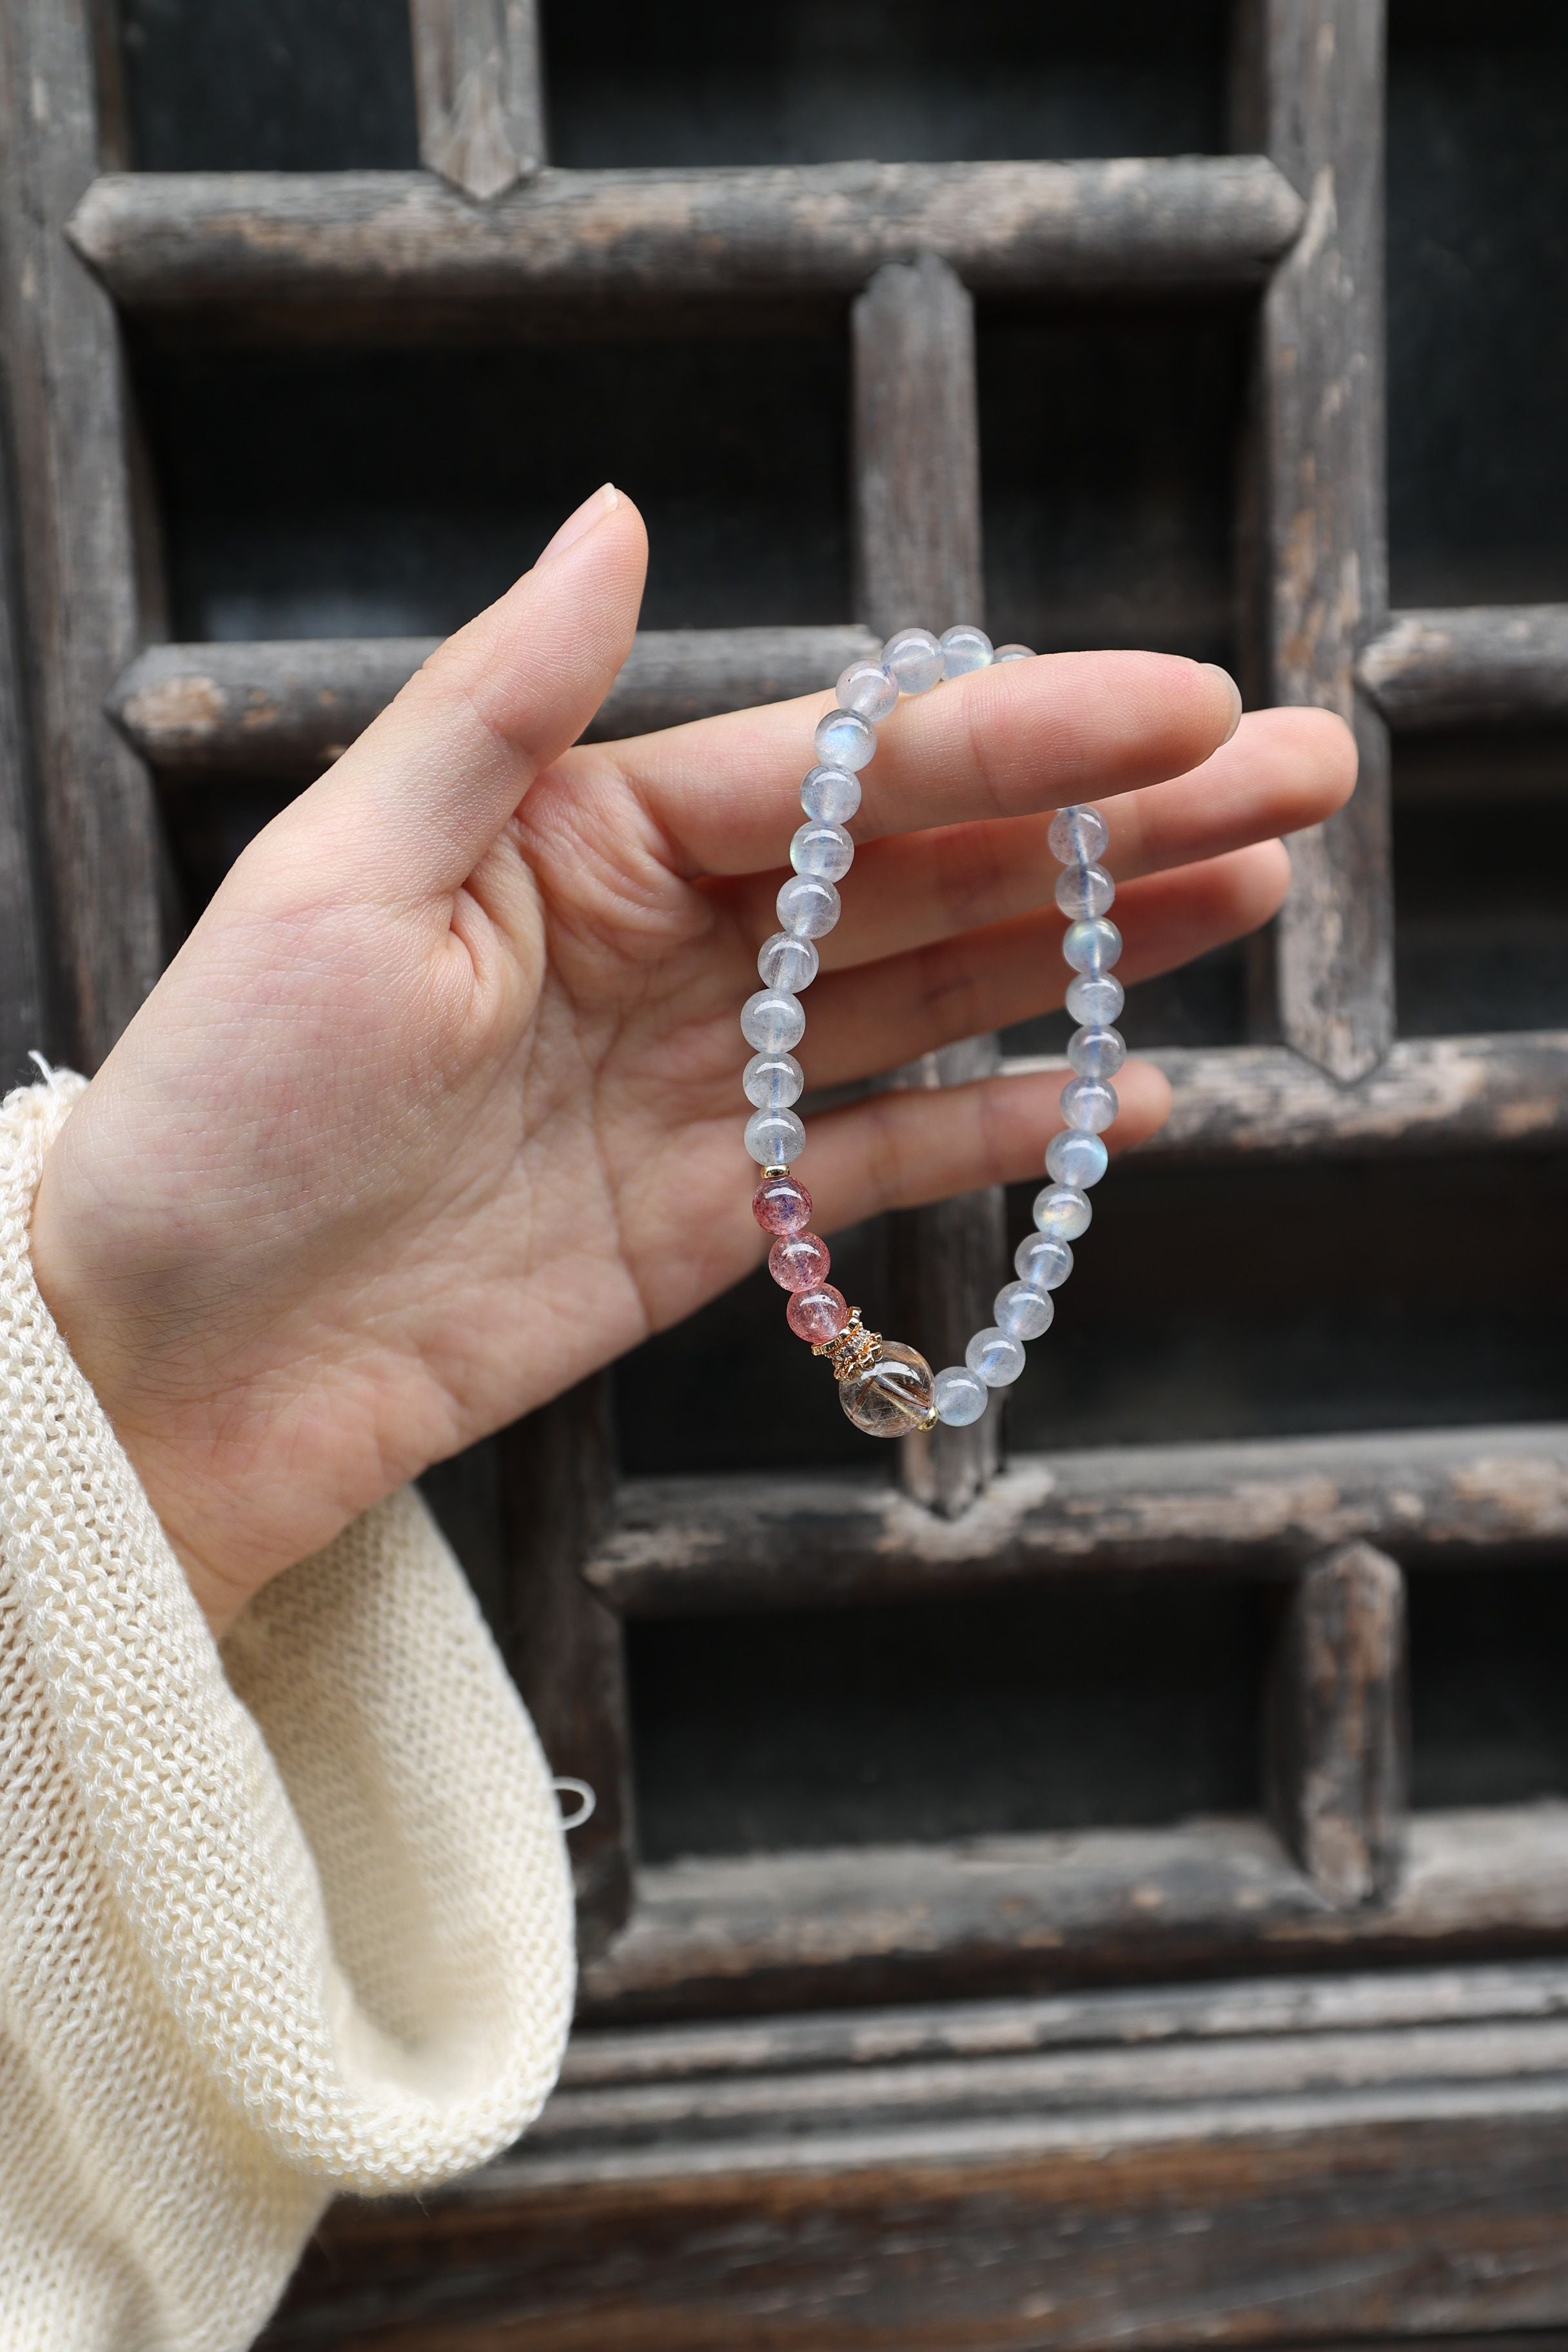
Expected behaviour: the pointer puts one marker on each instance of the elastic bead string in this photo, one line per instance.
(886, 1388)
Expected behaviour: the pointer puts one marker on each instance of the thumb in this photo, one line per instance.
(426, 788)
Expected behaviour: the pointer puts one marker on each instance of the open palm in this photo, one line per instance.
(438, 1106)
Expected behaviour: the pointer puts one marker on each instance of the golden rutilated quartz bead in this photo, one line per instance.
(891, 1396)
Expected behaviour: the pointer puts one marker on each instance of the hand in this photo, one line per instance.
(438, 1106)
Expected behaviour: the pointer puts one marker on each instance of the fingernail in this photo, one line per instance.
(604, 500)
(1231, 687)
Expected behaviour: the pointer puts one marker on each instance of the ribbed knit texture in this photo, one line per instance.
(289, 1919)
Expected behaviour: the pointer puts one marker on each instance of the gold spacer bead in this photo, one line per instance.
(853, 1350)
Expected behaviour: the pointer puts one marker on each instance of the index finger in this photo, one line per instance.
(1009, 740)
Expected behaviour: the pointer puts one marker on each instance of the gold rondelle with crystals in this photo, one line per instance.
(884, 1387)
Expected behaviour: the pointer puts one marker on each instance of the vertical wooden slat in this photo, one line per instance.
(23, 947)
(1337, 1733)
(917, 514)
(478, 89)
(1311, 95)
(60, 352)
(565, 1649)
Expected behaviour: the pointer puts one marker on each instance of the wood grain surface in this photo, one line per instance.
(175, 241)
(1320, 560)
(1471, 666)
(478, 91)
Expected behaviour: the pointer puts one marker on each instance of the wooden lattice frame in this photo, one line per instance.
(91, 699)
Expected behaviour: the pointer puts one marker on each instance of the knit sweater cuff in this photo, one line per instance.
(323, 1869)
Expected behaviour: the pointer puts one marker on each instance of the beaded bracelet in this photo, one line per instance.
(886, 1388)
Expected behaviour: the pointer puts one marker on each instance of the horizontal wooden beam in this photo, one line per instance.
(916, 2034)
(1471, 666)
(171, 241)
(779, 1931)
(1430, 1094)
(287, 708)
(695, 1545)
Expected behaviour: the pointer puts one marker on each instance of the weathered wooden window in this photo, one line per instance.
(1114, 1889)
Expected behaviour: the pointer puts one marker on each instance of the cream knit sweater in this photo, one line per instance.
(275, 1923)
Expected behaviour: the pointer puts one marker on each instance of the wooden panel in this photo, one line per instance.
(287, 708)
(165, 240)
(916, 551)
(1471, 666)
(1252, 2173)
(1141, 2017)
(23, 950)
(66, 398)
(1318, 108)
(884, 1923)
(1339, 1744)
(1431, 1094)
(478, 90)
(685, 1546)
(565, 1648)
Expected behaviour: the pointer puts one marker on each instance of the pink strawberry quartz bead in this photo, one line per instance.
(799, 1262)
(817, 1315)
(780, 1204)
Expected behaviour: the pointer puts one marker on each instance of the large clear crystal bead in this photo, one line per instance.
(892, 1396)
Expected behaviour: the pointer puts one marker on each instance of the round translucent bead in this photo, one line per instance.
(1062, 1212)
(1021, 1311)
(823, 849)
(1092, 945)
(1088, 1103)
(866, 687)
(775, 1138)
(1074, 1158)
(831, 794)
(915, 659)
(892, 1396)
(1095, 996)
(787, 964)
(799, 1262)
(807, 905)
(960, 1398)
(773, 1021)
(780, 1204)
(1014, 653)
(845, 739)
(1043, 1262)
(995, 1357)
(1078, 836)
(1097, 1052)
(1084, 890)
(817, 1315)
(774, 1081)
(965, 648)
